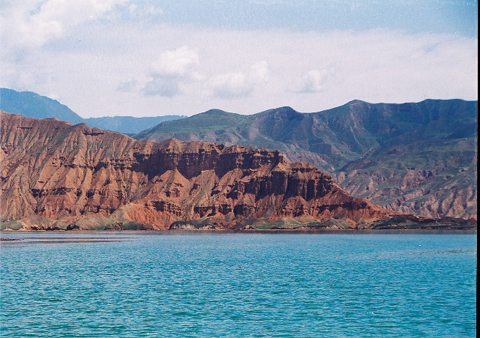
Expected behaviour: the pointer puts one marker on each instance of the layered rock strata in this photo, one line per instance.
(81, 176)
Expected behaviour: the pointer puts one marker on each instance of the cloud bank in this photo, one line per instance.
(238, 84)
(30, 24)
(170, 70)
(96, 58)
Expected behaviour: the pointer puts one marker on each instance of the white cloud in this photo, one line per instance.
(259, 72)
(314, 81)
(176, 63)
(144, 11)
(159, 86)
(32, 23)
(170, 70)
(230, 85)
(238, 84)
(132, 8)
(334, 67)
(153, 10)
(127, 86)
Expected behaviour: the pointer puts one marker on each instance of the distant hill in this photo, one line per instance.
(128, 124)
(411, 157)
(30, 104)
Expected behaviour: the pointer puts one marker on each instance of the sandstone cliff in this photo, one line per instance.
(415, 158)
(79, 176)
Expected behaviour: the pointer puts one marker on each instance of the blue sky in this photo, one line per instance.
(412, 16)
(146, 58)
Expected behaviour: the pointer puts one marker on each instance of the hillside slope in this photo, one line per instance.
(399, 142)
(30, 104)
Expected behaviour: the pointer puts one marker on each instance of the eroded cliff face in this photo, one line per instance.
(78, 175)
(416, 158)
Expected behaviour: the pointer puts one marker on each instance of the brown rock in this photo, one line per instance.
(56, 170)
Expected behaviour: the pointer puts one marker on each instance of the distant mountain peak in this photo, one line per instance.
(34, 105)
(30, 104)
(284, 110)
(214, 111)
(356, 101)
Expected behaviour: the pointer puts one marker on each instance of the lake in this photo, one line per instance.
(174, 284)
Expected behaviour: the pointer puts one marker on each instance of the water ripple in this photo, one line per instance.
(238, 285)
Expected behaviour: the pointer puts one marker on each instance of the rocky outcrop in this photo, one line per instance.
(416, 158)
(84, 178)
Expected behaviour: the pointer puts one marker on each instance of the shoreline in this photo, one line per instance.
(250, 231)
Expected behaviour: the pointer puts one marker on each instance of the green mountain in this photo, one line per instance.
(412, 157)
(30, 104)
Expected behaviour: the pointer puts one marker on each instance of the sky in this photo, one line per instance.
(183, 57)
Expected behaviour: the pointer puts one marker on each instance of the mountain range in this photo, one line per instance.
(55, 175)
(414, 158)
(33, 105)
(418, 158)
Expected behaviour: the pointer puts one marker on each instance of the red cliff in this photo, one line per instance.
(77, 174)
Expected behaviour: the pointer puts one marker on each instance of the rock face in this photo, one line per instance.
(417, 158)
(81, 176)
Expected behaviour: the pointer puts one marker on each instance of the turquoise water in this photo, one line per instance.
(238, 285)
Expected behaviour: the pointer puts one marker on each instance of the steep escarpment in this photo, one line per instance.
(82, 177)
(417, 158)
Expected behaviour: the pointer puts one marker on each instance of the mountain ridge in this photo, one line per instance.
(33, 105)
(334, 139)
(376, 151)
(81, 177)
